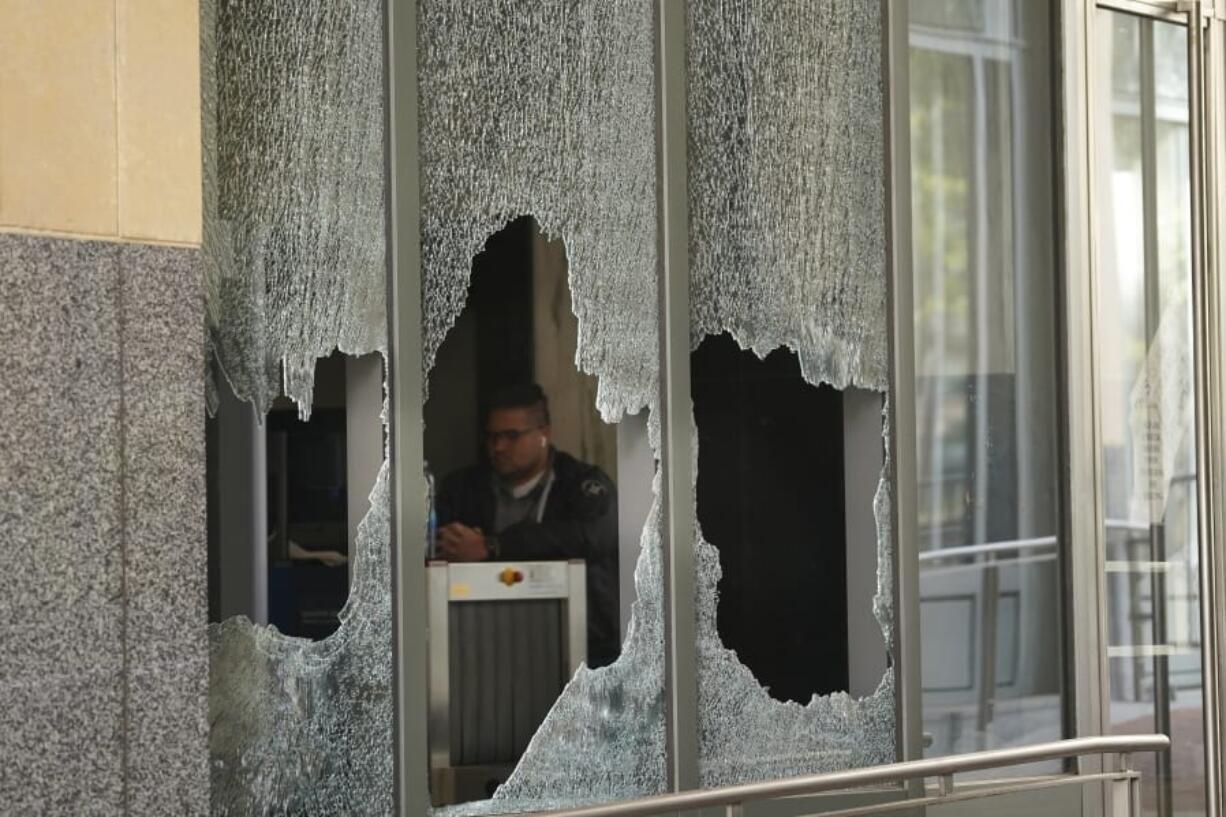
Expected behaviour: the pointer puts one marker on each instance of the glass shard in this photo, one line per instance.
(786, 183)
(293, 188)
(546, 109)
(305, 727)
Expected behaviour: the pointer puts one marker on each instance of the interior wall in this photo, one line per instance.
(237, 479)
(577, 427)
(863, 459)
(451, 410)
(636, 465)
(363, 436)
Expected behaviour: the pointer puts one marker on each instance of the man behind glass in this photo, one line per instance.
(530, 501)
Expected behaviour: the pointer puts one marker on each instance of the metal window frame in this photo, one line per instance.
(900, 304)
(1080, 461)
(1167, 10)
(410, 753)
(1207, 360)
(1215, 299)
(673, 399)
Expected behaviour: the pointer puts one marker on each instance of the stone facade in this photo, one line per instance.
(102, 528)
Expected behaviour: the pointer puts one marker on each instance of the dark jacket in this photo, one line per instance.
(579, 522)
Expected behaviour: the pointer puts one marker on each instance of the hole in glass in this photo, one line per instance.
(286, 494)
(525, 553)
(792, 519)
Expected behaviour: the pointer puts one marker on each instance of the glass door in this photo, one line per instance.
(1146, 360)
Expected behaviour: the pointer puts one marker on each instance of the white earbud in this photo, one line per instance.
(542, 442)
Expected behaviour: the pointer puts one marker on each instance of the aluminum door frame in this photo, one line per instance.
(1208, 191)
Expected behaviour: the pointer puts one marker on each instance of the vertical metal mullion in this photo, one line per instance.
(1149, 182)
(676, 470)
(1215, 263)
(1203, 321)
(1153, 315)
(408, 522)
(1082, 468)
(902, 441)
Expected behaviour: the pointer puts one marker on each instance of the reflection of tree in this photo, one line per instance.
(941, 186)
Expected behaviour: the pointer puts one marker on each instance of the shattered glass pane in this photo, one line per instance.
(546, 109)
(786, 183)
(294, 269)
(293, 185)
(787, 242)
(543, 109)
(305, 727)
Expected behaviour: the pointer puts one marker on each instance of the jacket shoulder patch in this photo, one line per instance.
(593, 488)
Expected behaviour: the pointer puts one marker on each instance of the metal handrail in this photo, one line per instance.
(939, 767)
(987, 547)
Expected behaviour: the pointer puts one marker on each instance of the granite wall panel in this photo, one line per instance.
(167, 645)
(61, 589)
(102, 599)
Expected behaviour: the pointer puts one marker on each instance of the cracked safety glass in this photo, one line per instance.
(300, 652)
(545, 110)
(789, 363)
(530, 493)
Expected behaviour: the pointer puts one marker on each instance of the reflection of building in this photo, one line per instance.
(983, 259)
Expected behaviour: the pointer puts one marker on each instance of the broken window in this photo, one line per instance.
(286, 494)
(294, 269)
(547, 109)
(786, 193)
(525, 552)
(790, 512)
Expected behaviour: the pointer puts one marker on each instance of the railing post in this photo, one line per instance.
(1119, 798)
(1123, 792)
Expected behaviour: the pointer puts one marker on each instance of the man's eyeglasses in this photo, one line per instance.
(509, 436)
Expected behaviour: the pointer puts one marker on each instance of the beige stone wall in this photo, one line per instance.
(100, 119)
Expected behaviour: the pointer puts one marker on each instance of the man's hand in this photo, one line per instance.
(459, 543)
